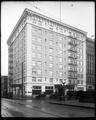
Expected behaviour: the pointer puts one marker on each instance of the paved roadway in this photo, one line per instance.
(41, 108)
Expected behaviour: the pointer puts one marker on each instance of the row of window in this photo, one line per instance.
(50, 73)
(72, 81)
(75, 42)
(75, 55)
(50, 52)
(40, 79)
(73, 68)
(91, 71)
(72, 74)
(90, 80)
(38, 55)
(78, 69)
(52, 26)
(72, 61)
(79, 75)
(51, 65)
(39, 47)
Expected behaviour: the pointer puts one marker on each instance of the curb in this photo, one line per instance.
(72, 105)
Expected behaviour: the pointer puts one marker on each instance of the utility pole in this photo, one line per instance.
(22, 79)
(60, 11)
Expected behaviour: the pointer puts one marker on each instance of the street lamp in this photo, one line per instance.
(63, 85)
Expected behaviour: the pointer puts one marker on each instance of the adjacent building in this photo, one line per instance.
(4, 87)
(90, 63)
(42, 53)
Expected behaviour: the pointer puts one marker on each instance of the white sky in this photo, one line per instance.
(77, 14)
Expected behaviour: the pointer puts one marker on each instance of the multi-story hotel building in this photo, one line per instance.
(44, 52)
(90, 63)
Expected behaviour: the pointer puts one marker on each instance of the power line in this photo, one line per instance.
(42, 11)
(60, 11)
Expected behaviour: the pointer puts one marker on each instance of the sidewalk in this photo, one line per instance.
(74, 103)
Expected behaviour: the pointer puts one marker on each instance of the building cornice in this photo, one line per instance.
(30, 13)
(56, 21)
(16, 26)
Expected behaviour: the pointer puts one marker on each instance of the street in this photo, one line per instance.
(41, 108)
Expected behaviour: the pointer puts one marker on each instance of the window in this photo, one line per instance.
(60, 45)
(51, 50)
(33, 54)
(45, 71)
(60, 39)
(51, 79)
(45, 40)
(78, 81)
(65, 73)
(78, 63)
(33, 46)
(39, 79)
(70, 68)
(77, 69)
(81, 57)
(51, 35)
(60, 74)
(50, 58)
(69, 40)
(38, 47)
(33, 38)
(60, 66)
(78, 56)
(50, 65)
(45, 63)
(45, 55)
(81, 70)
(49, 87)
(61, 80)
(33, 79)
(33, 72)
(39, 40)
(36, 87)
(57, 72)
(60, 52)
(60, 59)
(33, 63)
(64, 45)
(50, 42)
(39, 72)
(39, 31)
(81, 81)
(50, 73)
(38, 63)
(81, 75)
(39, 55)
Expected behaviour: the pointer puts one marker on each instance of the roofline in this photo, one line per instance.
(22, 15)
(60, 23)
(46, 17)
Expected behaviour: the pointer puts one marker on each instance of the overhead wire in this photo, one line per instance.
(42, 11)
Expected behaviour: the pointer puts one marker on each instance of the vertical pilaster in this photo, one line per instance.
(84, 63)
